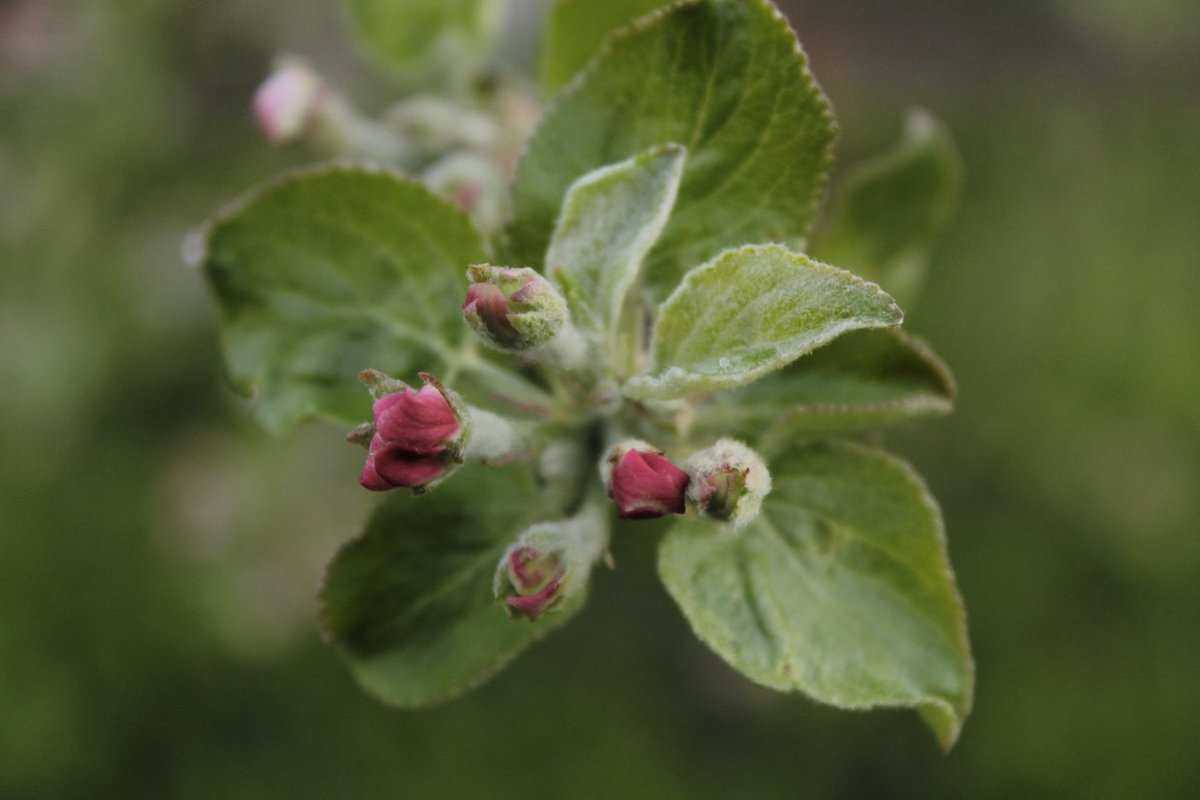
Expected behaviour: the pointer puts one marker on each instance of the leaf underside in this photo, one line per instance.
(610, 219)
(749, 312)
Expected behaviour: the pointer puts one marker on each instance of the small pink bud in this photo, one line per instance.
(417, 433)
(535, 581)
(286, 102)
(512, 309)
(645, 485)
(729, 482)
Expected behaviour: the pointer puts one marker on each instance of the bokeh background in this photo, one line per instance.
(159, 556)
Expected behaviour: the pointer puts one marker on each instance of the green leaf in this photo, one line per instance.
(410, 34)
(327, 272)
(576, 28)
(841, 589)
(751, 311)
(890, 210)
(864, 379)
(724, 78)
(609, 221)
(410, 602)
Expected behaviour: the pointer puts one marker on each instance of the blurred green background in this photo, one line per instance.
(158, 556)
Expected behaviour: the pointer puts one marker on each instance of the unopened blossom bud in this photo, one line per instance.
(511, 309)
(473, 183)
(287, 102)
(530, 581)
(728, 482)
(419, 435)
(642, 482)
(550, 561)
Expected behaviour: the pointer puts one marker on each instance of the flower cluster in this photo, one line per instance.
(418, 437)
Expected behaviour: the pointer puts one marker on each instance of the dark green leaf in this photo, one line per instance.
(409, 34)
(890, 210)
(576, 28)
(864, 379)
(410, 602)
(724, 78)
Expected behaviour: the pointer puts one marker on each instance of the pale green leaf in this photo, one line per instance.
(889, 210)
(575, 29)
(327, 272)
(413, 34)
(864, 379)
(841, 589)
(751, 311)
(609, 221)
(724, 78)
(410, 602)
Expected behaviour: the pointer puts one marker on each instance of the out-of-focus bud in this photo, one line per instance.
(286, 104)
(642, 482)
(419, 435)
(728, 483)
(516, 310)
(530, 581)
(435, 125)
(472, 182)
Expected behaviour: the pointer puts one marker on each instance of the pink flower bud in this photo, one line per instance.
(285, 103)
(645, 485)
(415, 440)
(512, 309)
(534, 581)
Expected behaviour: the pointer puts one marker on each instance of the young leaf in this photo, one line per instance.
(408, 34)
(841, 589)
(751, 311)
(858, 381)
(327, 272)
(576, 28)
(609, 221)
(410, 602)
(724, 78)
(890, 209)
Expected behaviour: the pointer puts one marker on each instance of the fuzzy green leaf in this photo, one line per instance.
(724, 78)
(890, 209)
(327, 272)
(575, 29)
(751, 311)
(409, 34)
(841, 589)
(609, 221)
(862, 380)
(410, 602)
